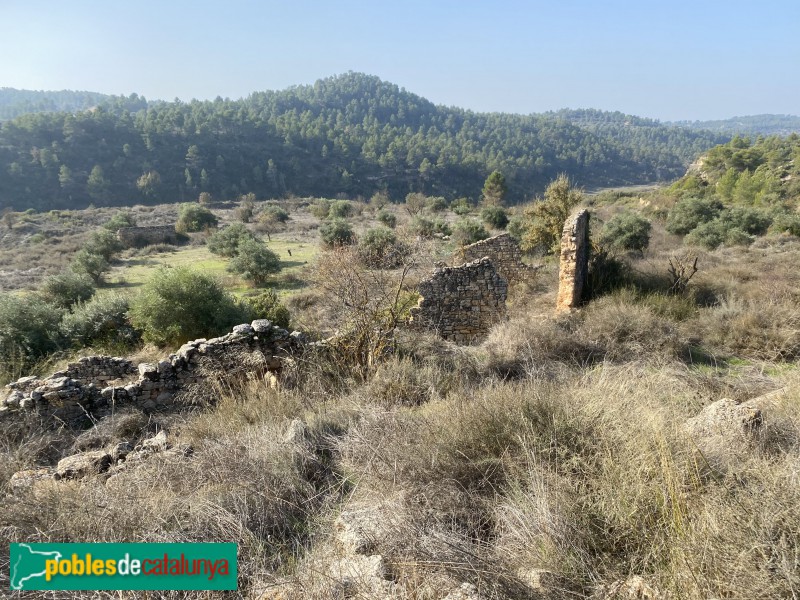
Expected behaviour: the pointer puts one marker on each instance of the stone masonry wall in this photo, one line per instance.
(462, 303)
(259, 348)
(504, 252)
(133, 237)
(574, 266)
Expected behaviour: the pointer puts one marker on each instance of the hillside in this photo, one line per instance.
(14, 103)
(351, 134)
(753, 125)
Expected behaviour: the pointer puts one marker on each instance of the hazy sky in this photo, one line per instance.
(666, 59)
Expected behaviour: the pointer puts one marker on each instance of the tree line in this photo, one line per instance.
(347, 135)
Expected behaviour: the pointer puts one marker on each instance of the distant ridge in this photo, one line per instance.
(753, 125)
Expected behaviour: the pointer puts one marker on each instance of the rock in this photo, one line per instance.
(361, 575)
(27, 403)
(467, 591)
(120, 451)
(83, 464)
(243, 329)
(295, 433)
(163, 397)
(164, 367)
(726, 418)
(261, 325)
(14, 398)
(59, 383)
(632, 588)
(157, 443)
(574, 264)
(148, 371)
(29, 477)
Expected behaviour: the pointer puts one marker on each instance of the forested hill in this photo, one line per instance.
(754, 125)
(14, 103)
(350, 134)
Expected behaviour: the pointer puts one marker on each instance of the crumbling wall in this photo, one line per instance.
(505, 254)
(574, 267)
(135, 237)
(257, 349)
(462, 303)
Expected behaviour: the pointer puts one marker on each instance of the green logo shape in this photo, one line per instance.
(123, 566)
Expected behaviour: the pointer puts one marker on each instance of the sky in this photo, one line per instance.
(666, 59)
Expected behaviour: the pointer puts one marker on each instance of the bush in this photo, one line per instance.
(103, 243)
(274, 214)
(495, 216)
(120, 220)
(437, 204)
(786, 223)
(178, 304)
(226, 242)
(544, 219)
(516, 227)
(321, 208)
(626, 231)
(266, 305)
(102, 321)
(337, 232)
(387, 218)
(707, 235)
(427, 228)
(67, 288)
(92, 265)
(747, 219)
(254, 261)
(341, 209)
(193, 217)
(469, 231)
(689, 213)
(28, 331)
(461, 206)
(379, 248)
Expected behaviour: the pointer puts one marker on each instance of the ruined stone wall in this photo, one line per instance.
(505, 254)
(134, 237)
(258, 349)
(574, 266)
(462, 303)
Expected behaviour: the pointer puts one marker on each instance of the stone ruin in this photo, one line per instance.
(94, 385)
(136, 237)
(461, 303)
(574, 267)
(505, 254)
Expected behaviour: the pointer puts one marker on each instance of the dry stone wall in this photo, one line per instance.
(574, 267)
(462, 303)
(134, 237)
(258, 348)
(505, 254)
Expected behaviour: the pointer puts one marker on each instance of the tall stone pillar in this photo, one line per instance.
(574, 267)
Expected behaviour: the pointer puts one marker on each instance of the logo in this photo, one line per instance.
(123, 567)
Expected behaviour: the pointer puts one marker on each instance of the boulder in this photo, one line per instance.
(83, 465)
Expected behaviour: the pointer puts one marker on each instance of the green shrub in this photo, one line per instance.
(266, 305)
(689, 213)
(226, 242)
(626, 231)
(102, 321)
(379, 248)
(495, 216)
(427, 228)
(469, 231)
(103, 243)
(544, 218)
(710, 234)
(320, 208)
(786, 223)
(28, 332)
(120, 220)
(337, 232)
(750, 220)
(86, 263)
(387, 218)
(516, 227)
(179, 304)
(437, 204)
(254, 261)
(738, 237)
(341, 209)
(274, 214)
(67, 288)
(193, 217)
(461, 206)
